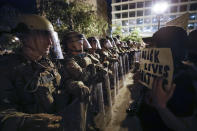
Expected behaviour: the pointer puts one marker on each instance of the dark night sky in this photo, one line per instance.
(109, 8)
(27, 6)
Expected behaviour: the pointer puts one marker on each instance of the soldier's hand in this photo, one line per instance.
(91, 68)
(101, 70)
(85, 93)
(41, 122)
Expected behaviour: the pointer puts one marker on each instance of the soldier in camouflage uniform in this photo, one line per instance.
(31, 95)
(94, 42)
(80, 69)
(106, 55)
(77, 64)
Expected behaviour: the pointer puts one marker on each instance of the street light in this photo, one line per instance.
(159, 9)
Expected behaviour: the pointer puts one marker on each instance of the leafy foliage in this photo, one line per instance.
(117, 31)
(133, 36)
(76, 16)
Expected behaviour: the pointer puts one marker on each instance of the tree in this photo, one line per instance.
(76, 16)
(134, 36)
(117, 31)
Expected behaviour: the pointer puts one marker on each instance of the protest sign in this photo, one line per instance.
(156, 62)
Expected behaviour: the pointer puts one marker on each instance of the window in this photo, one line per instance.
(174, 1)
(140, 13)
(172, 17)
(132, 14)
(117, 7)
(131, 29)
(117, 16)
(147, 20)
(125, 15)
(183, 8)
(147, 28)
(124, 30)
(147, 12)
(163, 19)
(148, 3)
(154, 28)
(195, 25)
(184, 0)
(125, 23)
(124, 0)
(139, 21)
(154, 20)
(193, 16)
(191, 26)
(193, 7)
(140, 28)
(125, 7)
(132, 22)
(140, 5)
(173, 9)
(132, 6)
(117, 23)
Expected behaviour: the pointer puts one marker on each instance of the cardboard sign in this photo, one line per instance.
(156, 62)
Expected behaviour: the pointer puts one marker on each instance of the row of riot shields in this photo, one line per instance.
(103, 94)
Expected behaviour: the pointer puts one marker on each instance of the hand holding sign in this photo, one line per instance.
(160, 96)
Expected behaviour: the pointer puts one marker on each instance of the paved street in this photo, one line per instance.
(120, 121)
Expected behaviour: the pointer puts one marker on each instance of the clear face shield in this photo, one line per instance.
(117, 42)
(55, 47)
(113, 43)
(95, 44)
(86, 44)
(108, 44)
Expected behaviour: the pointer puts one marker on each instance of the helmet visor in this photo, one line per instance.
(108, 44)
(56, 48)
(86, 44)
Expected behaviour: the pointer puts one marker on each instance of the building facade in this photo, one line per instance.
(131, 14)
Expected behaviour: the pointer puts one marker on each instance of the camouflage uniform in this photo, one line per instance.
(82, 68)
(28, 88)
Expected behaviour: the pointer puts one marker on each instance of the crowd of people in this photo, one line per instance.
(53, 85)
(63, 85)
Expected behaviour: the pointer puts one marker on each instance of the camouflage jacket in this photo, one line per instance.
(27, 87)
(80, 68)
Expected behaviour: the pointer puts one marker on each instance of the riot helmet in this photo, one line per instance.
(117, 42)
(38, 33)
(94, 42)
(106, 44)
(112, 41)
(9, 43)
(73, 43)
(86, 44)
